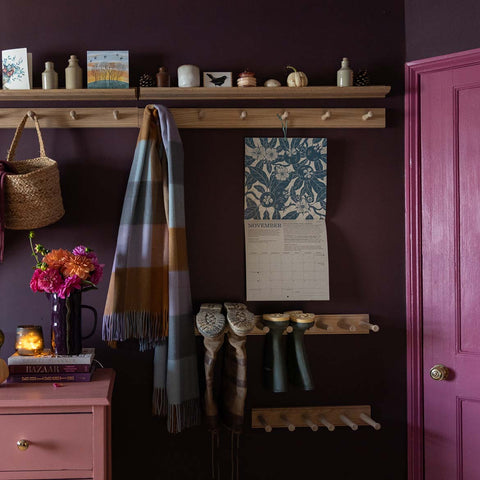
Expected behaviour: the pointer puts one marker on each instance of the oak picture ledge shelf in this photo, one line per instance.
(262, 93)
(121, 116)
(197, 93)
(59, 94)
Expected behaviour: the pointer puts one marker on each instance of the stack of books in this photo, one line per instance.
(46, 367)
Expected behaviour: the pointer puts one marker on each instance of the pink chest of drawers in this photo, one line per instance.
(64, 432)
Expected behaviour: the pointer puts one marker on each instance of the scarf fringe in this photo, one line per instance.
(149, 328)
(180, 416)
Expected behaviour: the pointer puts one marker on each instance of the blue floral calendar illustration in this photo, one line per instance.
(284, 213)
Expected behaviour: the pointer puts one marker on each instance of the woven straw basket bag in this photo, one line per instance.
(32, 195)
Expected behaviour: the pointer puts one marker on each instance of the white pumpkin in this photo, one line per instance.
(3, 370)
(296, 78)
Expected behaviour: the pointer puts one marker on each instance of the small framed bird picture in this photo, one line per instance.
(217, 79)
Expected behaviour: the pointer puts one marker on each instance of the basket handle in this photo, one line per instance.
(18, 134)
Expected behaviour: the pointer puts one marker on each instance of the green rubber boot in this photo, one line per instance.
(297, 362)
(274, 361)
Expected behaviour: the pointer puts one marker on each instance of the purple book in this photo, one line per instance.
(50, 377)
(36, 369)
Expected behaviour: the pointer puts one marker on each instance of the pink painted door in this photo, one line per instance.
(450, 219)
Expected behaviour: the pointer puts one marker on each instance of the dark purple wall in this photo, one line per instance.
(439, 27)
(365, 219)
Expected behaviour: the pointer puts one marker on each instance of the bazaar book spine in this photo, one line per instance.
(50, 378)
(44, 369)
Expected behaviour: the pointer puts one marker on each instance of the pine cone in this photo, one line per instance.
(146, 80)
(361, 79)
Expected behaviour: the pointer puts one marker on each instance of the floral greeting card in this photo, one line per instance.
(16, 69)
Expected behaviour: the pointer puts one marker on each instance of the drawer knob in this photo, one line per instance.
(23, 444)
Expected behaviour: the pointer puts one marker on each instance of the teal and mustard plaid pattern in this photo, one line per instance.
(149, 295)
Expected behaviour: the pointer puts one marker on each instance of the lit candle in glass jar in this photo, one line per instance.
(29, 340)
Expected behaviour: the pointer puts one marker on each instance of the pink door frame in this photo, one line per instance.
(413, 209)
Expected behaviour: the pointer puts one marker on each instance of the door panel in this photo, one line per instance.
(450, 163)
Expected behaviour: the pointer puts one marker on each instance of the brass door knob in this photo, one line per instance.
(23, 444)
(439, 372)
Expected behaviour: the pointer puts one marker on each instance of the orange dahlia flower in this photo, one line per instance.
(57, 258)
(79, 265)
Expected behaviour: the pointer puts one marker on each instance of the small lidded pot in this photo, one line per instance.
(246, 79)
(188, 76)
(29, 340)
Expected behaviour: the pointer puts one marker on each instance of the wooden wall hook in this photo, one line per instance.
(368, 115)
(284, 115)
(346, 324)
(368, 420)
(372, 327)
(263, 328)
(324, 326)
(267, 427)
(326, 115)
(116, 114)
(73, 115)
(308, 421)
(243, 114)
(31, 114)
(287, 422)
(201, 114)
(348, 422)
(326, 423)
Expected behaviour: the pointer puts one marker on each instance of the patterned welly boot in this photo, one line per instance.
(210, 323)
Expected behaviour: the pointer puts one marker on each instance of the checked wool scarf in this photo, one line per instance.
(149, 293)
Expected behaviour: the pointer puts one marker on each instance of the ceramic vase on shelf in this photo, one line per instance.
(345, 74)
(73, 74)
(49, 77)
(66, 322)
(188, 76)
(163, 77)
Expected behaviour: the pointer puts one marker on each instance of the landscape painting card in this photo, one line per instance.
(217, 79)
(16, 69)
(107, 69)
(285, 202)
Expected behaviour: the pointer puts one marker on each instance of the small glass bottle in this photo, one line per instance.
(49, 77)
(163, 77)
(73, 74)
(345, 74)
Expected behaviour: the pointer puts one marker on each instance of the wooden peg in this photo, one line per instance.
(326, 115)
(348, 422)
(264, 423)
(243, 115)
(368, 115)
(284, 115)
(116, 114)
(370, 421)
(288, 423)
(322, 325)
(73, 115)
(262, 327)
(370, 326)
(326, 423)
(309, 422)
(31, 114)
(201, 114)
(346, 324)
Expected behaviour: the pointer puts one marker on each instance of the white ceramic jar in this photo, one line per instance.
(345, 74)
(49, 77)
(73, 74)
(188, 76)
